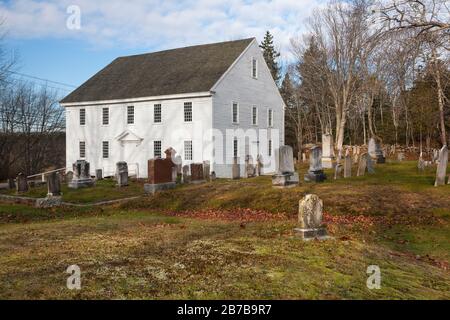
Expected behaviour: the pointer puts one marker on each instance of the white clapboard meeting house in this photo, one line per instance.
(215, 102)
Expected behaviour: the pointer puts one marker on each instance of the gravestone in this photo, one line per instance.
(347, 166)
(375, 151)
(235, 169)
(315, 172)
(250, 169)
(160, 175)
(206, 170)
(53, 185)
(11, 183)
(186, 177)
(213, 176)
(310, 213)
(337, 170)
(259, 165)
(400, 156)
(435, 155)
(286, 175)
(69, 176)
(99, 174)
(421, 163)
(81, 175)
(22, 183)
(197, 173)
(328, 156)
(122, 174)
(441, 167)
(362, 165)
(370, 168)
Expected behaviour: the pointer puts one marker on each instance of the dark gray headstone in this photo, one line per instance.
(22, 183)
(347, 166)
(54, 184)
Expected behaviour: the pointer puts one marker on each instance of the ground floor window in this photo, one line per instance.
(235, 147)
(157, 149)
(270, 148)
(188, 150)
(82, 149)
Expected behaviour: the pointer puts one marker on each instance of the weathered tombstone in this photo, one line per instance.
(315, 172)
(69, 176)
(22, 183)
(186, 174)
(370, 168)
(53, 185)
(206, 170)
(122, 173)
(375, 151)
(362, 165)
(99, 174)
(236, 169)
(435, 155)
(286, 175)
(421, 163)
(259, 165)
(347, 166)
(250, 170)
(327, 151)
(11, 183)
(213, 176)
(400, 156)
(337, 170)
(310, 213)
(441, 167)
(197, 173)
(81, 175)
(160, 175)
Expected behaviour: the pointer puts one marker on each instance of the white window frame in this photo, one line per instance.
(103, 116)
(255, 118)
(82, 112)
(254, 75)
(131, 115)
(160, 112)
(191, 112)
(188, 150)
(103, 149)
(270, 118)
(235, 147)
(84, 149)
(155, 142)
(233, 103)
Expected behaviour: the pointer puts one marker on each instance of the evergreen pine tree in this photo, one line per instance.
(271, 56)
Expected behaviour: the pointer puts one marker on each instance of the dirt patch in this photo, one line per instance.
(239, 214)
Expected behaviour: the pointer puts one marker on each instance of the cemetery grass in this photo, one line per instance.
(186, 243)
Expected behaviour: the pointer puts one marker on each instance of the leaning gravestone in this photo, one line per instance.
(310, 213)
(286, 175)
(53, 185)
(122, 173)
(22, 183)
(362, 165)
(441, 167)
(315, 172)
(81, 175)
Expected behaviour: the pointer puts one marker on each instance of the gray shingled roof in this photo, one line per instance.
(184, 70)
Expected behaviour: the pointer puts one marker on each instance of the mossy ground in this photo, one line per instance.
(157, 248)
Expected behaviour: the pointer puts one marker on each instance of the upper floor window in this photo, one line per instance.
(235, 112)
(254, 115)
(82, 117)
(254, 68)
(130, 115)
(105, 116)
(157, 149)
(82, 149)
(105, 149)
(188, 150)
(157, 113)
(188, 111)
(270, 118)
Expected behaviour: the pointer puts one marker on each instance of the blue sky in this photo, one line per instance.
(37, 30)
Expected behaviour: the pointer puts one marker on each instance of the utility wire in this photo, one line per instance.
(42, 79)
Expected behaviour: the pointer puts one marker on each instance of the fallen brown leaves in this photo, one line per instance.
(238, 214)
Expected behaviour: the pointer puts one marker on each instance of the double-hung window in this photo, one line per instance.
(157, 149)
(270, 148)
(105, 149)
(130, 115)
(254, 115)
(82, 117)
(270, 118)
(235, 147)
(254, 68)
(82, 149)
(157, 115)
(105, 116)
(188, 112)
(188, 150)
(235, 113)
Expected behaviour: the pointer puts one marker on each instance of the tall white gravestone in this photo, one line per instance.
(286, 175)
(328, 156)
(441, 167)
